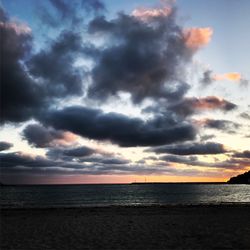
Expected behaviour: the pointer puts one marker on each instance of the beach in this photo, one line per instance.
(114, 227)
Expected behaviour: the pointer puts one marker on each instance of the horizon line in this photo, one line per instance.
(128, 183)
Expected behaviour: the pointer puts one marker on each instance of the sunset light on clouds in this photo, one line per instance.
(234, 76)
(196, 38)
(145, 14)
(93, 92)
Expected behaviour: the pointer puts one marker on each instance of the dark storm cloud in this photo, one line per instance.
(190, 160)
(20, 96)
(79, 151)
(85, 154)
(23, 161)
(242, 162)
(145, 59)
(17, 164)
(230, 164)
(42, 137)
(29, 82)
(55, 153)
(244, 154)
(220, 124)
(189, 106)
(5, 145)
(69, 153)
(17, 159)
(57, 78)
(117, 128)
(50, 74)
(207, 77)
(54, 66)
(105, 160)
(190, 149)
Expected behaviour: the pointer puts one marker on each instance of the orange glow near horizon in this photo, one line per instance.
(118, 179)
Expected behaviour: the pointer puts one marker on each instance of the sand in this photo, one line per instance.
(166, 227)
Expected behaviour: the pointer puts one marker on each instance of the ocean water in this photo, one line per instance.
(121, 195)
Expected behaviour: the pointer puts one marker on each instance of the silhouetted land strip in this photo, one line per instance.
(191, 183)
(240, 179)
(153, 227)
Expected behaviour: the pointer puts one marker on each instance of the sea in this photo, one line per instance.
(95, 195)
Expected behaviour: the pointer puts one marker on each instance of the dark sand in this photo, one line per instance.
(169, 227)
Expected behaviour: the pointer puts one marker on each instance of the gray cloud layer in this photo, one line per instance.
(5, 145)
(42, 137)
(144, 59)
(191, 149)
(20, 96)
(117, 128)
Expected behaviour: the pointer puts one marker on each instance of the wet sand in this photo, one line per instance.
(165, 227)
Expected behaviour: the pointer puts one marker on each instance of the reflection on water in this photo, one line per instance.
(103, 195)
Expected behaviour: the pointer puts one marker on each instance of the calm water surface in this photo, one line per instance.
(124, 195)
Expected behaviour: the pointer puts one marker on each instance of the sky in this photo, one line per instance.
(121, 91)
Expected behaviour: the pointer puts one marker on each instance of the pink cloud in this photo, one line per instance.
(19, 28)
(148, 13)
(196, 38)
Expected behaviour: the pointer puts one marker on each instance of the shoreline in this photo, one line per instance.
(121, 227)
(153, 205)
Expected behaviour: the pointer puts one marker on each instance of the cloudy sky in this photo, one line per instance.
(119, 91)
